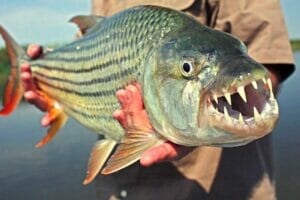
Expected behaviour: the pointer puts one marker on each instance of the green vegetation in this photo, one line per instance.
(295, 45)
(4, 69)
(4, 61)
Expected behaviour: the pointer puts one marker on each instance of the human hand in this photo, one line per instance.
(133, 116)
(31, 93)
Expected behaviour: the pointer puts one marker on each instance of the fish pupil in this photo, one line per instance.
(186, 67)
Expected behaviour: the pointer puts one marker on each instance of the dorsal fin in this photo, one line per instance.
(86, 22)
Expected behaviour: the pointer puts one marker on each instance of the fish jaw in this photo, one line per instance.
(239, 105)
(244, 125)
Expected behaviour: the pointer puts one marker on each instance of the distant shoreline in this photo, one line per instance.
(295, 45)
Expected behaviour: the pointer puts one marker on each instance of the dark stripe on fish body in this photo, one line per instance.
(87, 115)
(99, 66)
(105, 79)
(78, 57)
(115, 63)
(90, 120)
(101, 93)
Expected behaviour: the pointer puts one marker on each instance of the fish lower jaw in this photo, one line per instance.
(243, 126)
(250, 111)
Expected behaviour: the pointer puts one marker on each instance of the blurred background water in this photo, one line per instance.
(53, 172)
(286, 138)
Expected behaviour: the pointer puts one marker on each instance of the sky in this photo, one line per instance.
(46, 21)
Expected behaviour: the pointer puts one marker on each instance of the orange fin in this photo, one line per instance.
(130, 150)
(57, 117)
(98, 157)
(13, 94)
(14, 90)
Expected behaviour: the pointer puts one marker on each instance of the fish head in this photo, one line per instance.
(203, 89)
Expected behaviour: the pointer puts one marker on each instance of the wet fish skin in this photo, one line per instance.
(182, 66)
(85, 75)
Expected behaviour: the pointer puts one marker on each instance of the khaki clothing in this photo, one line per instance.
(212, 173)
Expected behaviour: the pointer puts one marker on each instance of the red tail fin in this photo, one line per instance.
(14, 90)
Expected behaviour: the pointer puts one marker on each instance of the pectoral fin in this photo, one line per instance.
(130, 150)
(58, 122)
(99, 155)
(57, 117)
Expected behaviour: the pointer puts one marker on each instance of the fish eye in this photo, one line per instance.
(187, 68)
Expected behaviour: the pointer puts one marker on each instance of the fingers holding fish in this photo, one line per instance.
(123, 98)
(26, 77)
(47, 120)
(135, 98)
(34, 51)
(167, 151)
(31, 94)
(132, 115)
(163, 152)
(120, 116)
(30, 89)
(28, 82)
(130, 98)
(35, 99)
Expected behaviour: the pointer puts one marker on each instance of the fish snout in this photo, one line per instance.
(241, 100)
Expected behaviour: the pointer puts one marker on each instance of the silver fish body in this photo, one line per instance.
(199, 85)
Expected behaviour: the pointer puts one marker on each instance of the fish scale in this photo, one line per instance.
(85, 75)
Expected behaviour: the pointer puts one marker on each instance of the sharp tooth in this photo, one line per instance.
(228, 97)
(241, 120)
(242, 93)
(271, 89)
(264, 80)
(254, 84)
(267, 107)
(257, 116)
(227, 117)
(215, 98)
(276, 108)
(271, 95)
(269, 83)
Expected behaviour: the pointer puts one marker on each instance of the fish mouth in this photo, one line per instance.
(245, 110)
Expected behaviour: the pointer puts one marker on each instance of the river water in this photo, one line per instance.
(56, 171)
(287, 138)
